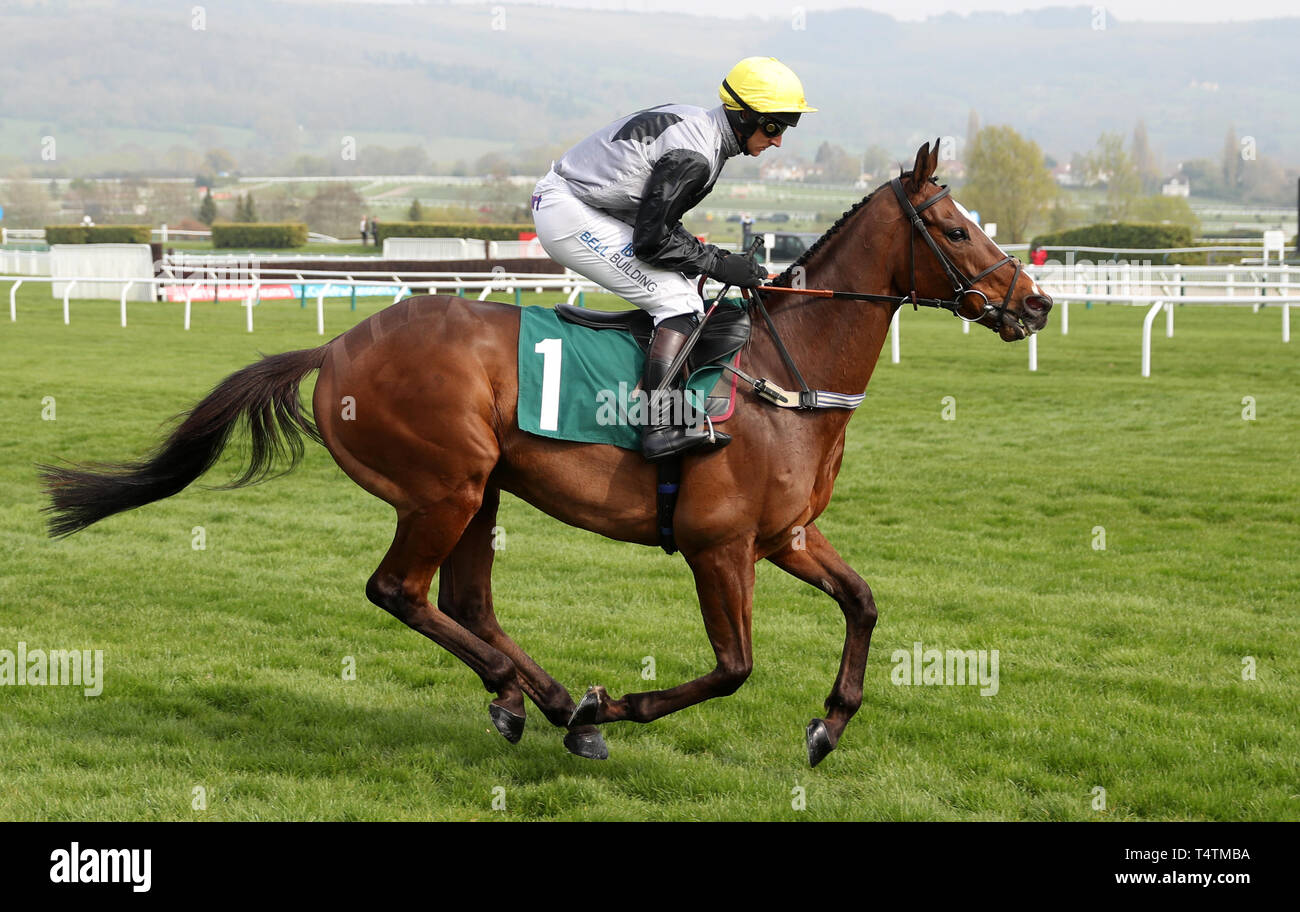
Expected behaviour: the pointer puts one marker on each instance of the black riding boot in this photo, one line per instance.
(660, 436)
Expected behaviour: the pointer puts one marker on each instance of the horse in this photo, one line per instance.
(417, 405)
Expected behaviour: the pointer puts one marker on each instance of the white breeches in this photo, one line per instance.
(598, 246)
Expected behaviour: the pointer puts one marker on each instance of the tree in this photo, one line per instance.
(1205, 175)
(244, 212)
(208, 208)
(26, 204)
(1231, 161)
(220, 161)
(1007, 180)
(416, 212)
(1110, 163)
(492, 164)
(838, 166)
(876, 162)
(1158, 208)
(170, 202)
(972, 130)
(1144, 159)
(336, 209)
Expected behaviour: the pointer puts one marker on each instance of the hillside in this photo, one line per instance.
(121, 84)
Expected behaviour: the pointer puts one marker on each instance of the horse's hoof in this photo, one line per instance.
(587, 744)
(510, 725)
(819, 742)
(588, 709)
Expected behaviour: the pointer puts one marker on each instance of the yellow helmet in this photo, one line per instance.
(764, 85)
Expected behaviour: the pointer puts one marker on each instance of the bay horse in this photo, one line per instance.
(431, 385)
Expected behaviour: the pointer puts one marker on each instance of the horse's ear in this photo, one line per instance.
(934, 159)
(919, 174)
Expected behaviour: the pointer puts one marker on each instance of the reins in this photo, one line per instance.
(962, 286)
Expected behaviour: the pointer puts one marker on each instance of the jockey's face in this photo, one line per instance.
(758, 141)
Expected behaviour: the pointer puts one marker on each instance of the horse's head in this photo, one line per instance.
(956, 262)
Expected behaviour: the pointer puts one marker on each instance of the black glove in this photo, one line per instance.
(738, 270)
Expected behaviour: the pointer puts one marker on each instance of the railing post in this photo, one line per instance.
(1146, 337)
(125, 289)
(894, 352)
(13, 301)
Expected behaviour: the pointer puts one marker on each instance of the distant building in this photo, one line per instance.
(1065, 176)
(778, 171)
(1178, 185)
(788, 171)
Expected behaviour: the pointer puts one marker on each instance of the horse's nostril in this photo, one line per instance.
(1038, 303)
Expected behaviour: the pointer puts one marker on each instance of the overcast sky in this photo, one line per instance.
(1131, 10)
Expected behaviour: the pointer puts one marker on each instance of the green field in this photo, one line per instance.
(1120, 669)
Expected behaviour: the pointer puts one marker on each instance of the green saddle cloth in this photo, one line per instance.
(577, 383)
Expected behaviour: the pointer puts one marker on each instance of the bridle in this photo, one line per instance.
(963, 287)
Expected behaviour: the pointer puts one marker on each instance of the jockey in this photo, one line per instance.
(610, 209)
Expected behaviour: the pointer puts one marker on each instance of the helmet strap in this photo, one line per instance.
(742, 125)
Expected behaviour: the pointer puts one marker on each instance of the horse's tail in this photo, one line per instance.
(265, 393)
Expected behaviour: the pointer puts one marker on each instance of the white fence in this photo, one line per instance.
(434, 249)
(330, 285)
(509, 250)
(1156, 288)
(110, 263)
(25, 262)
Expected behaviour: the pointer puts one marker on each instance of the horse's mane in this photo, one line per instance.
(786, 277)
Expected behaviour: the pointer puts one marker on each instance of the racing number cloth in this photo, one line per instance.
(578, 384)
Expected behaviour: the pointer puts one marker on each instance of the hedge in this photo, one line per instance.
(451, 230)
(65, 234)
(1119, 235)
(97, 234)
(258, 234)
(1122, 236)
(1233, 233)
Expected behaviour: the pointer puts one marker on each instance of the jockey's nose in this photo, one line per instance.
(776, 141)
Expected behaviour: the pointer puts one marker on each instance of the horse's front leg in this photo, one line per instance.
(817, 563)
(724, 579)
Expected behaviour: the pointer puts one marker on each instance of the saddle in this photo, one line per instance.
(725, 334)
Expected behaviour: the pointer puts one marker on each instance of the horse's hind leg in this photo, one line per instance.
(425, 536)
(465, 594)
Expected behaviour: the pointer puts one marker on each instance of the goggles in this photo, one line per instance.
(771, 124)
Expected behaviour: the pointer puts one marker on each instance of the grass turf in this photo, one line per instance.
(1119, 668)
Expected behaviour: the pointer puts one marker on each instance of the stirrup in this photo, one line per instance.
(670, 440)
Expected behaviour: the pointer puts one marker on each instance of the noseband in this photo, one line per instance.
(962, 287)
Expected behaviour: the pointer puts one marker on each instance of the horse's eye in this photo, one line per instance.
(958, 234)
